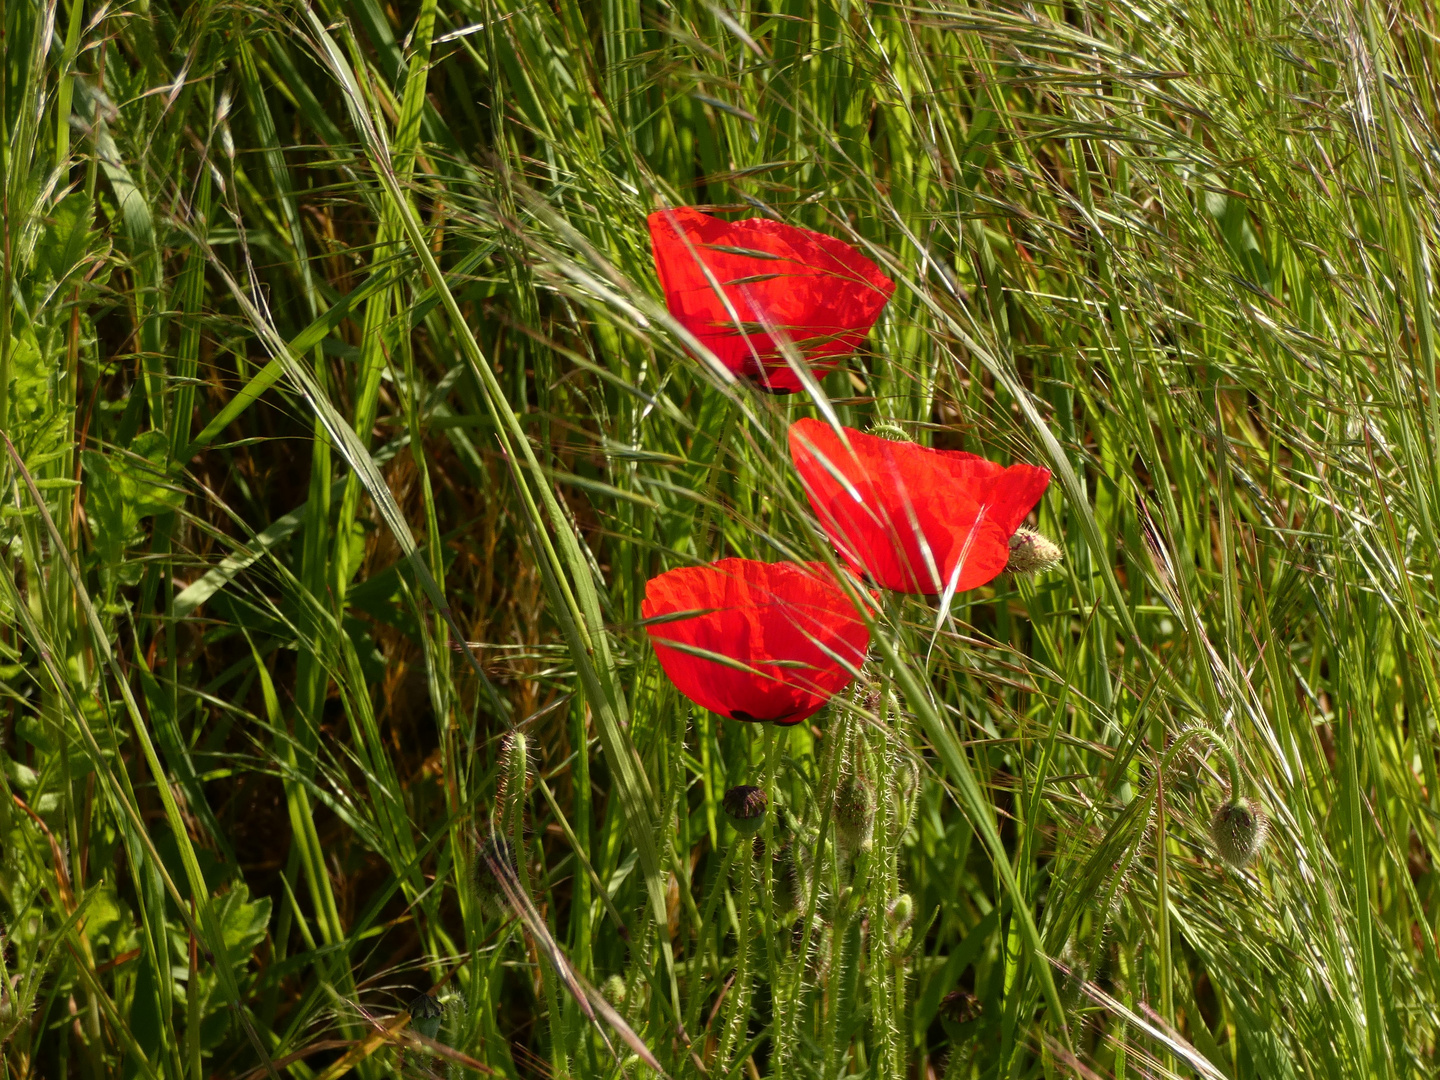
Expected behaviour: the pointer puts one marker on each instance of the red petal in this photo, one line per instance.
(790, 625)
(820, 292)
(906, 515)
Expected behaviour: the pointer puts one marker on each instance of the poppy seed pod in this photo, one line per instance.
(854, 815)
(960, 1007)
(748, 289)
(910, 518)
(1238, 831)
(1032, 552)
(745, 806)
(755, 641)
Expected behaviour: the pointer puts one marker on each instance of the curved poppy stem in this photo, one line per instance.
(1217, 742)
(737, 1011)
(515, 804)
(774, 746)
(712, 951)
(788, 1016)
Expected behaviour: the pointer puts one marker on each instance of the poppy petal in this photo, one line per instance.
(738, 285)
(909, 517)
(755, 641)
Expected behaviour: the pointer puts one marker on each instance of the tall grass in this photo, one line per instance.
(331, 343)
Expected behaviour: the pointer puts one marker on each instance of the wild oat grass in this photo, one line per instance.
(331, 342)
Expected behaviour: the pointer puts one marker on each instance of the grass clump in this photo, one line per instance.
(345, 425)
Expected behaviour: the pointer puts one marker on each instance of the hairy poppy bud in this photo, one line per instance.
(425, 1014)
(889, 429)
(1238, 831)
(514, 781)
(514, 766)
(900, 914)
(900, 911)
(1032, 553)
(614, 990)
(790, 875)
(745, 805)
(854, 815)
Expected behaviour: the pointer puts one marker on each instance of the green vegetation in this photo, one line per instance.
(330, 341)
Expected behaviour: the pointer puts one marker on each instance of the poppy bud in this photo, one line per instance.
(425, 1014)
(1032, 553)
(889, 429)
(514, 765)
(514, 780)
(614, 990)
(1238, 831)
(854, 815)
(790, 875)
(899, 915)
(745, 806)
(900, 911)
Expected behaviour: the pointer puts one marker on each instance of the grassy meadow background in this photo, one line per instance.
(330, 340)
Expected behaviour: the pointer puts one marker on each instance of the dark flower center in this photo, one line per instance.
(782, 719)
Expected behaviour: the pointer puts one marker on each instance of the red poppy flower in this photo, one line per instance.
(738, 285)
(911, 518)
(790, 639)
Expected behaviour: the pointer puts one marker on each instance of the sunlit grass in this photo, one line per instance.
(333, 342)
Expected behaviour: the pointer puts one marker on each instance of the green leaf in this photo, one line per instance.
(69, 236)
(124, 487)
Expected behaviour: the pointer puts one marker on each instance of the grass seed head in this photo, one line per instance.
(1238, 831)
(745, 805)
(1032, 553)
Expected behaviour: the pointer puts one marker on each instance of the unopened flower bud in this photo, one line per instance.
(854, 815)
(1032, 553)
(425, 1014)
(889, 429)
(899, 915)
(514, 766)
(900, 911)
(614, 990)
(1238, 831)
(745, 805)
(514, 780)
